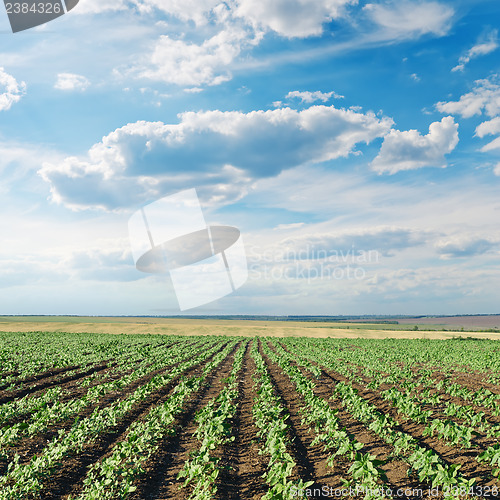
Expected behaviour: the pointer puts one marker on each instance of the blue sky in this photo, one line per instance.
(355, 144)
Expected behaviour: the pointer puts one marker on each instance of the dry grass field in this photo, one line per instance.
(246, 328)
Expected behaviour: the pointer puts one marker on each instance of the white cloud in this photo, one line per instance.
(480, 49)
(225, 30)
(489, 127)
(310, 97)
(494, 144)
(293, 225)
(223, 151)
(191, 64)
(484, 98)
(11, 90)
(409, 149)
(466, 245)
(198, 11)
(71, 81)
(292, 18)
(411, 19)
(98, 6)
(384, 239)
(497, 169)
(288, 18)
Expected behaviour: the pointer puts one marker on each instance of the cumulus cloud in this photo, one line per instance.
(497, 169)
(194, 64)
(224, 150)
(484, 98)
(288, 18)
(225, 30)
(232, 28)
(411, 19)
(489, 44)
(310, 97)
(98, 7)
(409, 149)
(71, 81)
(198, 11)
(292, 18)
(466, 246)
(489, 127)
(11, 90)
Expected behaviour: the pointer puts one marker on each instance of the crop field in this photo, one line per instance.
(99, 416)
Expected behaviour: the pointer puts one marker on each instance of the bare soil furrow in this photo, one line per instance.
(51, 383)
(69, 479)
(27, 447)
(160, 480)
(450, 454)
(242, 465)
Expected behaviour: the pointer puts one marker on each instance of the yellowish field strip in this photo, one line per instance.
(247, 328)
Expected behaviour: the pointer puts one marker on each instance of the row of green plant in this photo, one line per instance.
(426, 463)
(123, 364)
(114, 476)
(414, 393)
(366, 473)
(24, 355)
(270, 417)
(26, 479)
(213, 431)
(48, 413)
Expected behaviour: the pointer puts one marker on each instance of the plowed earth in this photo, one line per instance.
(241, 465)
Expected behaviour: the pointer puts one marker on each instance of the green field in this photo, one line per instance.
(133, 416)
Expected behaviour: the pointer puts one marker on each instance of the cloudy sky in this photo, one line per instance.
(355, 144)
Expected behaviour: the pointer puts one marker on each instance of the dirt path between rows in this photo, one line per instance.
(450, 454)
(160, 480)
(68, 479)
(242, 465)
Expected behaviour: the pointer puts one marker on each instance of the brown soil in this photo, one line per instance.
(160, 480)
(69, 478)
(51, 381)
(242, 465)
(395, 469)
